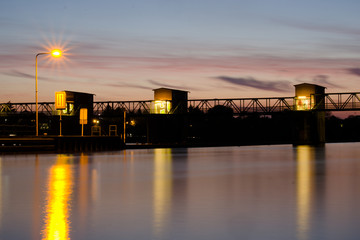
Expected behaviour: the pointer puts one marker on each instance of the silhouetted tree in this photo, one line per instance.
(110, 112)
(218, 126)
(220, 110)
(195, 111)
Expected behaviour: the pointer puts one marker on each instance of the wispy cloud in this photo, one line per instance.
(323, 80)
(16, 73)
(166, 85)
(312, 26)
(276, 86)
(126, 85)
(354, 71)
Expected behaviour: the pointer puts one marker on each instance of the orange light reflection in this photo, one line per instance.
(57, 223)
(305, 188)
(162, 190)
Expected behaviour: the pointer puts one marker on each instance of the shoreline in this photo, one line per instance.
(76, 144)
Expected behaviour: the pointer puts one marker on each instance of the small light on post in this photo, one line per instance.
(55, 53)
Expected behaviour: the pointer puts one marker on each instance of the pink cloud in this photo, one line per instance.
(95, 68)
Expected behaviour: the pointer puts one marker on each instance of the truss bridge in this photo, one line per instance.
(324, 102)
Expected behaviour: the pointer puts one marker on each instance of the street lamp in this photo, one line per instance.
(55, 53)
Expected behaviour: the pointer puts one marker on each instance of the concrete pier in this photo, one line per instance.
(309, 128)
(309, 122)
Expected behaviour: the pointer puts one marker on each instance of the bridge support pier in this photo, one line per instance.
(167, 128)
(309, 128)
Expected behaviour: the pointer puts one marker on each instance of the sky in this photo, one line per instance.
(122, 50)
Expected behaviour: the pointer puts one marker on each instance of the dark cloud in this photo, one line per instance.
(323, 80)
(165, 85)
(354, 71)
(126, 85)
(276, 86)
(160, 84)
(15, 73)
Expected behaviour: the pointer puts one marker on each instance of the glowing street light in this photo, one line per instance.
(55, 53)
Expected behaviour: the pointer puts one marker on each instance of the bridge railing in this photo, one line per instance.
(130, 106)
(337, 102)
(246, 105)
(324, 102)
(47, 108)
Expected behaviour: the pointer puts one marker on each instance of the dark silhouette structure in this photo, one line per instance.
(168, 119)
(172, 118)
(71, 114)
(309, 126)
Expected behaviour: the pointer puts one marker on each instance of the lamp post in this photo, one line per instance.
(55, 53)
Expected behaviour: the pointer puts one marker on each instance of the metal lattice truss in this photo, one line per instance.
(324, 102)
(128, 106)
(246, 105)
(44, 107)
(337, 102)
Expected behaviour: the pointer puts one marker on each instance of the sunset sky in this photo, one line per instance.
(121, 50)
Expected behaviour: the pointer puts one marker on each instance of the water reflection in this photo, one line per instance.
(162, 190)
(265, 192)
(60, 187)
(310, 168)
(304, 183)
(1, 193)
(82, 190)
(36, 198)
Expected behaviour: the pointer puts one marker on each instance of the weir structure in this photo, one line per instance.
(307, 107)
(345, 101)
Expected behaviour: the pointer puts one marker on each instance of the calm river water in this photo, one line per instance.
(252, 192)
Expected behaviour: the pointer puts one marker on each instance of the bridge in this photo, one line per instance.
(348, 101)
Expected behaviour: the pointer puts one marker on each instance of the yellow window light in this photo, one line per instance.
(302, 103)
(162, 107)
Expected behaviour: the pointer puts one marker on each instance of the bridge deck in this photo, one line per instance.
(327, 102)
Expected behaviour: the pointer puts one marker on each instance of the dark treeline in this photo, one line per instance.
(218, 125)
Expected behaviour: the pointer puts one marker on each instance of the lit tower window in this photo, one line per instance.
(308, 96)
(169, 101)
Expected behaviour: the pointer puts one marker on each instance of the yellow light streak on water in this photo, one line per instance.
(57, 224)
(305, 184)
(162, 190)
(1, 194)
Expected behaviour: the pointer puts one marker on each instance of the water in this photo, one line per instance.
(257, 192)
